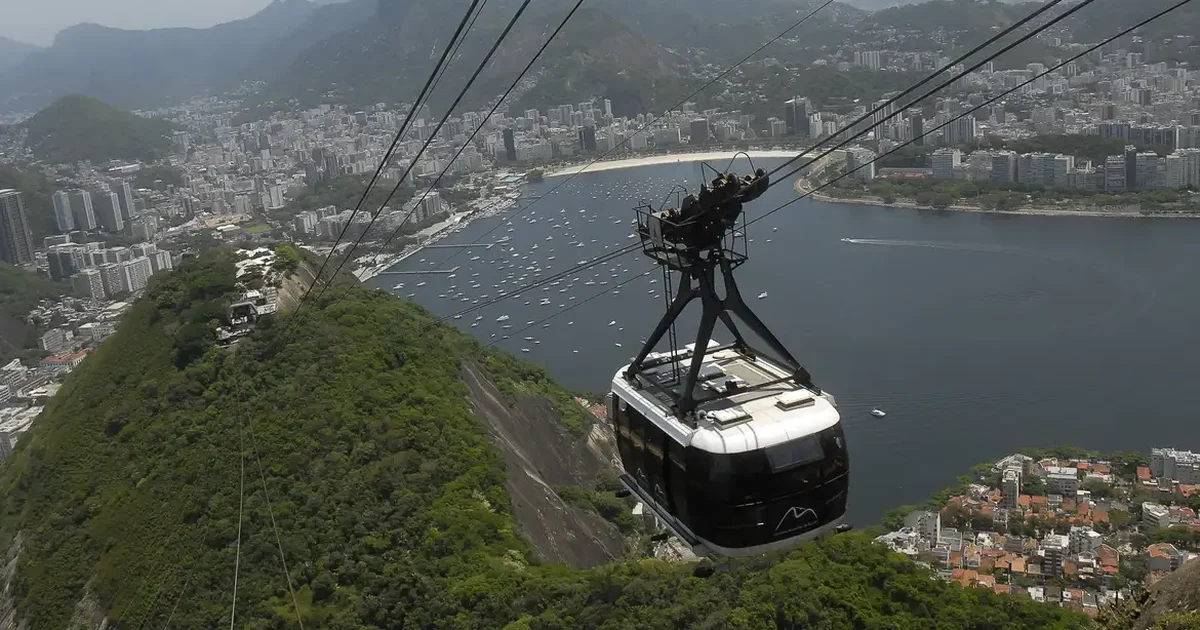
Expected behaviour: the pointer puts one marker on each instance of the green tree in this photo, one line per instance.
(1098, 488)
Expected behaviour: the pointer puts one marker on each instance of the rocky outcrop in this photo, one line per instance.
(540, 454)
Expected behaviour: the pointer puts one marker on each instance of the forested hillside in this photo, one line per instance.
(367, 473)
(76, 128)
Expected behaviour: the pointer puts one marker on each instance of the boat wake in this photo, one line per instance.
(961, 247)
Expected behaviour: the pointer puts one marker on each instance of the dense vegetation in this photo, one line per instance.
(158, 177)
(943, 193)
(76, 128)
(20, 291)
(366, 470)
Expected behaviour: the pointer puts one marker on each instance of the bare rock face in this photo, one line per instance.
(540, 454)
(1178, 592)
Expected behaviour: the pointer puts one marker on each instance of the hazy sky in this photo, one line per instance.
(37, 21)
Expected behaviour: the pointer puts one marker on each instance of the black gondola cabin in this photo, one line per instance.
(760, 471)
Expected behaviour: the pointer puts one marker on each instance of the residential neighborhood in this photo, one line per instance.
(1078, 531)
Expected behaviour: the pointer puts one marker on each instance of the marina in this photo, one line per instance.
(987, 321)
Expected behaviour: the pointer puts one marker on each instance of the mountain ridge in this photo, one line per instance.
(13, 52)
(142, 69)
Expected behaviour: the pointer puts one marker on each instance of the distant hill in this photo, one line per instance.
(78, 128)
(372, 441)
(145, 69)
(13, 52)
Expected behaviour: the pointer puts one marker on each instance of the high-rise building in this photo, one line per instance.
(16, 240)
(81, 208)
(89, 282)
(795, 115)
(1011, 487)
(273, 197)
(1176, 465)
(961, 131)
(1131, 169)
(1115, 173)
(917, 121)
(160, 261)
(699, 131)
(1147, 170)
(108, 212)
(1054, 548)
(62, 212)
(112, 275)
(136, 273)
(860, 162)
(146, 227)
(945, 161)
(125, 195)
(510, 146)
(607, 107)
(332, 165)
(587, 138)
(869, 59)
(1004, 167)
(65, 261)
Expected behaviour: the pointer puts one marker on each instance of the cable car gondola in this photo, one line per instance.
(734, 450)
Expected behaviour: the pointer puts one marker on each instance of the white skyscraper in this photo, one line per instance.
(273, 198)
(89, 283)
(112, 276)
(944, 163)
(81, 208)
(62, 212)
(136, 273)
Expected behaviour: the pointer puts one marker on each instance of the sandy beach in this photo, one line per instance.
(669, 158)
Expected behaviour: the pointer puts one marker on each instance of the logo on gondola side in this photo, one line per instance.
(795, 519)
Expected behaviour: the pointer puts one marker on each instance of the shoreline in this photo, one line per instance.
(369, 267)
(668, 158)
(801, 186)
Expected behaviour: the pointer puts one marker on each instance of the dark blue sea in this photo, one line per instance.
(976, 333)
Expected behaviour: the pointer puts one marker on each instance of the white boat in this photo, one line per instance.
(502, 318)
(398, 287)
(612, 323)
(762, 296)
(878, 413)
